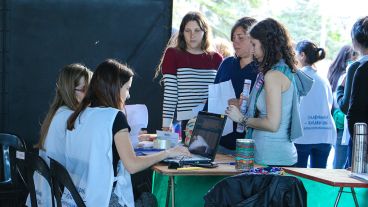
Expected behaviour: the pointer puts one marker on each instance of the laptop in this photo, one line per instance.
(205, 139)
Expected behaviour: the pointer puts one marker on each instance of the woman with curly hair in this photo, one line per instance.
(272, 115)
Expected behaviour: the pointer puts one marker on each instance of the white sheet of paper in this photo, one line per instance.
(137, 116)
(345, 135)
(172, 136)
(218, 96)
(197, 109)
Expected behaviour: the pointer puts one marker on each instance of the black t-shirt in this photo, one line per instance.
(120, 123)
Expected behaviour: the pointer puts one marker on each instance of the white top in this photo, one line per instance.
(88, 154)
(315, 112)
(55, 139)
(54, 147)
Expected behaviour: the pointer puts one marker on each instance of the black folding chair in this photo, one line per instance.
(257, 190)
(12, 184)
(61, 179)
(35, 164)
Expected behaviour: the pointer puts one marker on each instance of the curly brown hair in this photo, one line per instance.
(276, 44)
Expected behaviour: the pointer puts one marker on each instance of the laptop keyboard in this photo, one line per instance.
(188, 158)
(181, 157)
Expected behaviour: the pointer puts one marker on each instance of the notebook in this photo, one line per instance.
(205, 139)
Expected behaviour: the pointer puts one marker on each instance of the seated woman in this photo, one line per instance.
(70, 88)
(98, 137)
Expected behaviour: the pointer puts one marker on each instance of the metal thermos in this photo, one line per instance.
(359, 159)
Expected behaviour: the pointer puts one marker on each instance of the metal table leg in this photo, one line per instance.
(338, 196)
(353, 194)
(354, 197)
(170, 187)
(172, 191)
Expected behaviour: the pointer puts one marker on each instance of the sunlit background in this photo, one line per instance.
(325, 22)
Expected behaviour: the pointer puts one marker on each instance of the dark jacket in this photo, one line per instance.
(257, 191)
(343, 92)
(358, 109)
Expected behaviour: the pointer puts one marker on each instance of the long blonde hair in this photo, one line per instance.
(68, 79)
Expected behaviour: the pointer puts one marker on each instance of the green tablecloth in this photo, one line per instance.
(189, 191)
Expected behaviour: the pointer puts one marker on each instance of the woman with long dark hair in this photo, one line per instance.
(319, 132)
(98, 138)
(273, 110)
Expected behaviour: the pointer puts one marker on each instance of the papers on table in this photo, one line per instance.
(137, 116)
(171, 136)
(218, 96)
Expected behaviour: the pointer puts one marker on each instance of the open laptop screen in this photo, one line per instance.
(206, 134)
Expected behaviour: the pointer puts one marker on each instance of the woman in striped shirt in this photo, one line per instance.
(188, 68)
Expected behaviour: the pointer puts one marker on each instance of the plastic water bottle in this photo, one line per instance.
(177, 129)
(243, 108)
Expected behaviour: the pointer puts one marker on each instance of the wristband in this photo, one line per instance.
(244, 121)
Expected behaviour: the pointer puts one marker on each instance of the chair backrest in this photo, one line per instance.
(35, 164)
(9, 144)
(61, 179)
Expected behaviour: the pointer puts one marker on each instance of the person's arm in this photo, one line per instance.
(135, 163)
(220, 73)
(170, 88)
(344, 91)
(273, 88)
(358, 109)
(330, 97)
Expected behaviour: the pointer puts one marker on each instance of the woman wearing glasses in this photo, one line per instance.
(70, 89)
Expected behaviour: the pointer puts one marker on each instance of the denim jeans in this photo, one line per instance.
(340, 151)
(349, 153)
(318, 155)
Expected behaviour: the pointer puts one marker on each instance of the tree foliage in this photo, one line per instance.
(304, 19)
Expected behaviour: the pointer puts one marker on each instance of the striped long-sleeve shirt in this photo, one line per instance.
(186, 78)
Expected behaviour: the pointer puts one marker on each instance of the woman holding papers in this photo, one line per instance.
(237, 69)
(98, 137)
(273, 109)
(188, 69)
